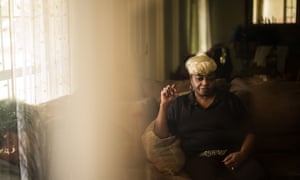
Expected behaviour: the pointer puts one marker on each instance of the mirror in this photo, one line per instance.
(274, 11)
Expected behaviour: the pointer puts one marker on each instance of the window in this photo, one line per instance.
(274, 11)
(34, 50)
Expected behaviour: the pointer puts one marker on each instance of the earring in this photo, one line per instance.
(223, 56)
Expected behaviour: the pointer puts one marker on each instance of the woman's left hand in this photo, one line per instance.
(233, 160)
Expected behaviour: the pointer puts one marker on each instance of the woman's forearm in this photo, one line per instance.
(248, 144)
(161, 127)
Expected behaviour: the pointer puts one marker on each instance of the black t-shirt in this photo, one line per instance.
(220, 126)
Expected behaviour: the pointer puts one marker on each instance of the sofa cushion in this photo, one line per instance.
(165, 154)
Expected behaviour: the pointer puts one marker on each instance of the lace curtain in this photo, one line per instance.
(34, 68)
(34, 50)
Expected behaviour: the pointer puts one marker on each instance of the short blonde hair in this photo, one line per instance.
(200, 64)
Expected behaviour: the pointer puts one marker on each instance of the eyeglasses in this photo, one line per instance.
(209, 77)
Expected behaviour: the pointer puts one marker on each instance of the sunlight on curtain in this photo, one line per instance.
(34, 68)
(204, 26)
(34, 46)
(192, 26)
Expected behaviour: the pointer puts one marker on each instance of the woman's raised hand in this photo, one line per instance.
(167, 94)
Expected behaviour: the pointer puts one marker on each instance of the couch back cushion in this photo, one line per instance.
(276, 115)
(275, 109)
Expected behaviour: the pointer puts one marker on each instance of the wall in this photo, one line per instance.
(171, 36)
(147, 34)
(225, 17)
(153, 21)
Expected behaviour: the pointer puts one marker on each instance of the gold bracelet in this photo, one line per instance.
(210, 153)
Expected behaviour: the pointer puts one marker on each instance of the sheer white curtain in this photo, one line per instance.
(34, 50)
(34, 68)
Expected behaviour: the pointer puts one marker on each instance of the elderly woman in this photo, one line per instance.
(212, 125)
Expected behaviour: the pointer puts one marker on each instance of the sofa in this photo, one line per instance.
(274, 104)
